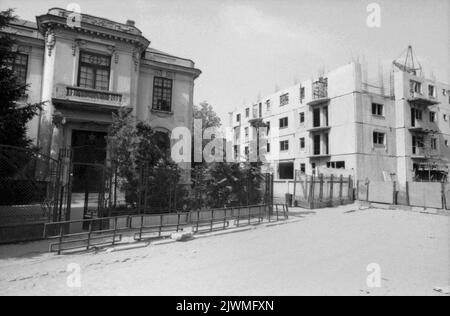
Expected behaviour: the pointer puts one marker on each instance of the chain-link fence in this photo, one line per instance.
(30, 192)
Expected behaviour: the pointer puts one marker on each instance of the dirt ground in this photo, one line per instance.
(325, 252)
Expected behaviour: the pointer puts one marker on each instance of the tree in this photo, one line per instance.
(142, 165)
(206, 113)
(14, 115)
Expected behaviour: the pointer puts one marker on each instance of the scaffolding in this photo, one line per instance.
(409, 63)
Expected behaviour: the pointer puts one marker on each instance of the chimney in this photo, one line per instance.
(131, 23)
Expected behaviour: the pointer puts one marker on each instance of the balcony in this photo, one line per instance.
(419, 98)
(319, 92)
(423, 127)
(90, 98)
(419, 153)
(316, 129)
(316, 153)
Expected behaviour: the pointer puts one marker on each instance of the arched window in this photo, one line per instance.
(162, 141)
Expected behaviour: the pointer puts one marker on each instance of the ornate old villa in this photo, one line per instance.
(87, 72)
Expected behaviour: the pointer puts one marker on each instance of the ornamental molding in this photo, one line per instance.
(50, 40)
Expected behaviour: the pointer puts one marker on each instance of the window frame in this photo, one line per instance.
(302, 143)
(433, 117)
(14, 65)
(376, 139)
(164, 89)
(284, 145)
(302, 118)
(95, 68)
(376, 107)
(284, 122)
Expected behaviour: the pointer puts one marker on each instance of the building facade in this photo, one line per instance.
(397, 128)
(84, 73)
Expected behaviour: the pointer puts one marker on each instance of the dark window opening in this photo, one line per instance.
(284, 122)
(378, 139)
(284, 145)
(162, 94)
(19, 66)
(303, 168)
(336, 164)
(286, 170)
(316, 118)
(316, 144)
(302, 117)
(377, 109)
(94, 71)
(302, 143)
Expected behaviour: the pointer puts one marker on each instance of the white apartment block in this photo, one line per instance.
(396, 129)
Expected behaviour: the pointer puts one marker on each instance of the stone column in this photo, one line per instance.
(46, 124)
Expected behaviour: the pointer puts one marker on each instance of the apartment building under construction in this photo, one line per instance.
(398, 128)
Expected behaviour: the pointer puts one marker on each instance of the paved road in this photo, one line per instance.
(326, 253)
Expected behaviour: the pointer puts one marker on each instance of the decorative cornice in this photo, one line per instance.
(93, 26)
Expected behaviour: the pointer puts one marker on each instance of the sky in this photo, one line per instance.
(248, 48)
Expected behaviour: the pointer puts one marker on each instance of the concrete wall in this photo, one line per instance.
(381, 192)
(425, 194)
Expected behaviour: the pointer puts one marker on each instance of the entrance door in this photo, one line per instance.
(89, 159)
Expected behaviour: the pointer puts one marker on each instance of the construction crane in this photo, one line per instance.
(408, 64)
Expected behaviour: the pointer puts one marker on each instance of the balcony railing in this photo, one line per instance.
(94, 94)
(419, 152)
(420, 98)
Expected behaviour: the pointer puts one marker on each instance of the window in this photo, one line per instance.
(162, 94)
(238, 118)
(303, 168)
(302, 143)
(415, 86)
(417, 114)
(327, 143)
(445, 117)
(94, 71)
(284, 122)
(302, 94)
(268, 105)
(378, 139)
(433, 144)
(302, 117)
(316, 144)
(377, 109)
(284, 99)
(246, 152)
(19, 66)
(446, 142)
(336, 164)
(268, 148)
(432, 117)
(286, 170)
(284, 145)
(246, 133)
(431, 91)
(236, 152)
(316, 117)
(247, 112)
(260, 109)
